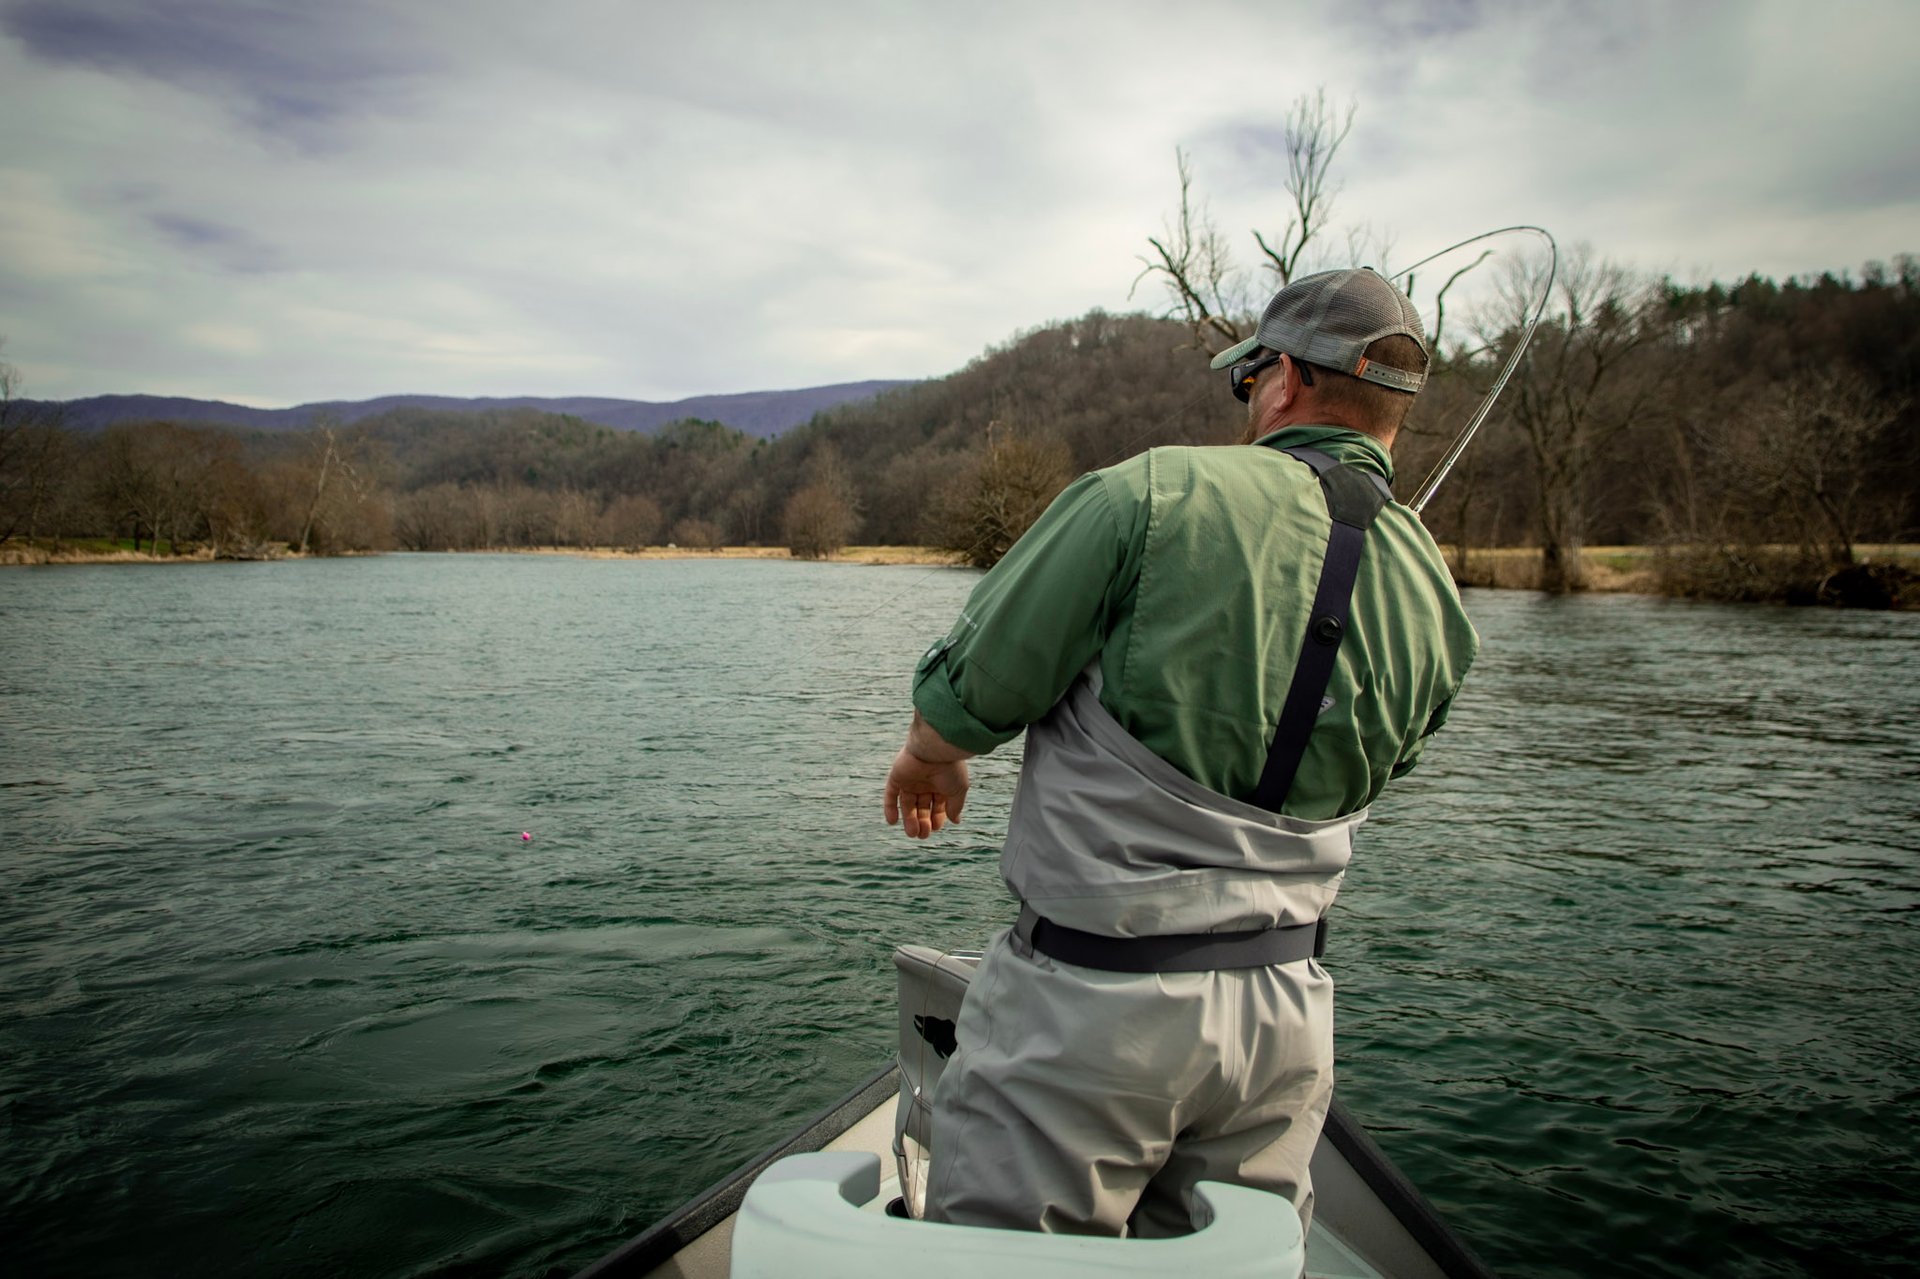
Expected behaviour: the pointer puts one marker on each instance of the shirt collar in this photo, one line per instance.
(1353, 447)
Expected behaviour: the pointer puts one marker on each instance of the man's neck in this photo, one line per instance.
(1282, 421)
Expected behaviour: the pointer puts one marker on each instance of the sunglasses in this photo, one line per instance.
(1243, 374)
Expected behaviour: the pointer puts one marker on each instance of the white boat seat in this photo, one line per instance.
(802, 1218)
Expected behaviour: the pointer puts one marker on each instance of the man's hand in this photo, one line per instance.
(923, 796)
(927, 785)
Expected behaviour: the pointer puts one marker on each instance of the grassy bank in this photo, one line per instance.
(97, 550)
(848, 555)
(1629, 569)
(1774, 574)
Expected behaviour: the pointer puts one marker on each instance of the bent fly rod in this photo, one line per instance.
(1427, 486)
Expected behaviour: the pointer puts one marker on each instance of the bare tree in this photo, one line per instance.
(1440, 298)
(342, 505)
(818, 521)
(148, 474)
(1572, 393)
(748, 512)
(1803, 455)
(430, 518)
(1190, 258)
(631, 521)
(985, 513)
(696, 533)
(1192, 262)
(1312, 137)
(821, 516)
(35, 457)
(576, 519)
(326, 456)
(228, 502)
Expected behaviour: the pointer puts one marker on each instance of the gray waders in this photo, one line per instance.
(1154, 1018)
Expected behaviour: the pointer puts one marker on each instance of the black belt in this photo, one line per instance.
(1174, 952)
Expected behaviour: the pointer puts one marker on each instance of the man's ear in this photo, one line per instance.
(1290, 388)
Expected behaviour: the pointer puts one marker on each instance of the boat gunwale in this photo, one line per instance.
(1400, 1197)
(660, 1242)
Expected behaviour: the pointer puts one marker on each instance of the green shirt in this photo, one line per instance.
(1188, 574)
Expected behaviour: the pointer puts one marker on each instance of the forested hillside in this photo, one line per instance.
(887, 470)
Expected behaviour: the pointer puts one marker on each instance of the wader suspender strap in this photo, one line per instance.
(1354, 498)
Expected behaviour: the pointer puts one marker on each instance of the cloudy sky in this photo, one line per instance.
(276, 202)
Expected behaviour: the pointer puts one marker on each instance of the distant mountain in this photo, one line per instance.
(758, 413)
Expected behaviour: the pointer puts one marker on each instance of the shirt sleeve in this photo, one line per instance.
(1029, 627)
(1407, 761)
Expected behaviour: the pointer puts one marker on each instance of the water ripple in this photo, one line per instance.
(1625, 965)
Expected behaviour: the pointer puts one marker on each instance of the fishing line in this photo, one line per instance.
(1427, 487)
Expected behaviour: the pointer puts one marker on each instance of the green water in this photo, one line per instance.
(1625, 967)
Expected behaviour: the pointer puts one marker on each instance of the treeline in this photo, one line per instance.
(1754, 435)
(412, 479)
(939, 462)
(1757, 434)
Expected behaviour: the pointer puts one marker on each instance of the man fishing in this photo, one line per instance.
(1220, 656)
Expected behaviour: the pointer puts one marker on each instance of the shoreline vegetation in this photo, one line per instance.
(100, 551)
(1628, 570)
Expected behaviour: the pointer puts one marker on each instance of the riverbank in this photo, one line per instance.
(847, 555)
(101, 552)
(1610, 569)
(1636, 570)
(1883, 576)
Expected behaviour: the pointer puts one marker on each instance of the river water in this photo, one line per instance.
(1627, 966)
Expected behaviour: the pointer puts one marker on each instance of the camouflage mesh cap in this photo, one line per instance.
(1329, 319)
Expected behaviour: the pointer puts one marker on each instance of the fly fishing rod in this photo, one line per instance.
(1428, 486)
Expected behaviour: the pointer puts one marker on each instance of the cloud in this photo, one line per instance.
(226, 247)
(42, 237)
(291, 70)
(281, 202)
(224, 339)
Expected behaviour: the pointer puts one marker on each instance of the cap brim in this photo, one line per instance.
(1236, 353)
